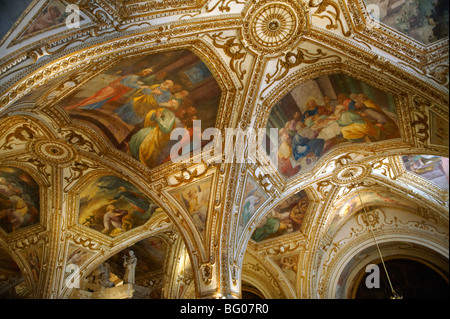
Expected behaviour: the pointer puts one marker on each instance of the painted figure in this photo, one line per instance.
(113, 91)
(114, 206)
(145, 100)
(252, 200)
(138, 201)
(51, 16)
(198, 208)
(35, 264)
(286, 218)
(289, 268)
(113, 219)
(155, 135)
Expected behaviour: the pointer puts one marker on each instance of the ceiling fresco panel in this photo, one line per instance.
(423, 20)
(430, 167)
(370, 200)
(289, 267)
(51, 16)
(19, 199)
(195, 198)
(252, 199)
(140, 101)
(318, 115)
(287, 217)
(113, 206)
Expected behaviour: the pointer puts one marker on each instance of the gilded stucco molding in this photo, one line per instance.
(331, 11)
(382, 65)
(373, 184)
(205, 253)
(177, 273)
(292, 60)
(58, 153)
(99, 19)
(82, 130)
(262, 274)
(271, 28)
(170, 32)
(234, 50)
(222, 5)
(427, 208)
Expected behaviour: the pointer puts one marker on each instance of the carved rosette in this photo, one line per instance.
(54, 151)
(350, 174)
(271, 28)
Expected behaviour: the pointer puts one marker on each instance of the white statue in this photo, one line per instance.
(129, 262)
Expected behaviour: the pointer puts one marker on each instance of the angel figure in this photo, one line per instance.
(197, 204)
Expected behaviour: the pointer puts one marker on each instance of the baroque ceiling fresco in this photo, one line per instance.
(234, 148)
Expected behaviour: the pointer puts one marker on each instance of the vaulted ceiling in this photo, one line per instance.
(299, 129)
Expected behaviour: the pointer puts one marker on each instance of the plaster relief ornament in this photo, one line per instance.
(270, 28)
(350, 174)
(54, 151)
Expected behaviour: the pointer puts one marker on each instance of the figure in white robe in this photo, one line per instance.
(129, 263)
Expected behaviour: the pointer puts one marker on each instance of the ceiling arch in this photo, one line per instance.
(351, 238)
(411, 252)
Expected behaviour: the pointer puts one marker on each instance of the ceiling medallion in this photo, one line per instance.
(54, 151)
(350, 174)
(270, 28)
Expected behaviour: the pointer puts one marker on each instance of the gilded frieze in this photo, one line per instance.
(331, 11)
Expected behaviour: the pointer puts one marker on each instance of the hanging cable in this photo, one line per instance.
(395, 295)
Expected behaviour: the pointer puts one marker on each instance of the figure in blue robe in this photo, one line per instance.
(302, 146)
